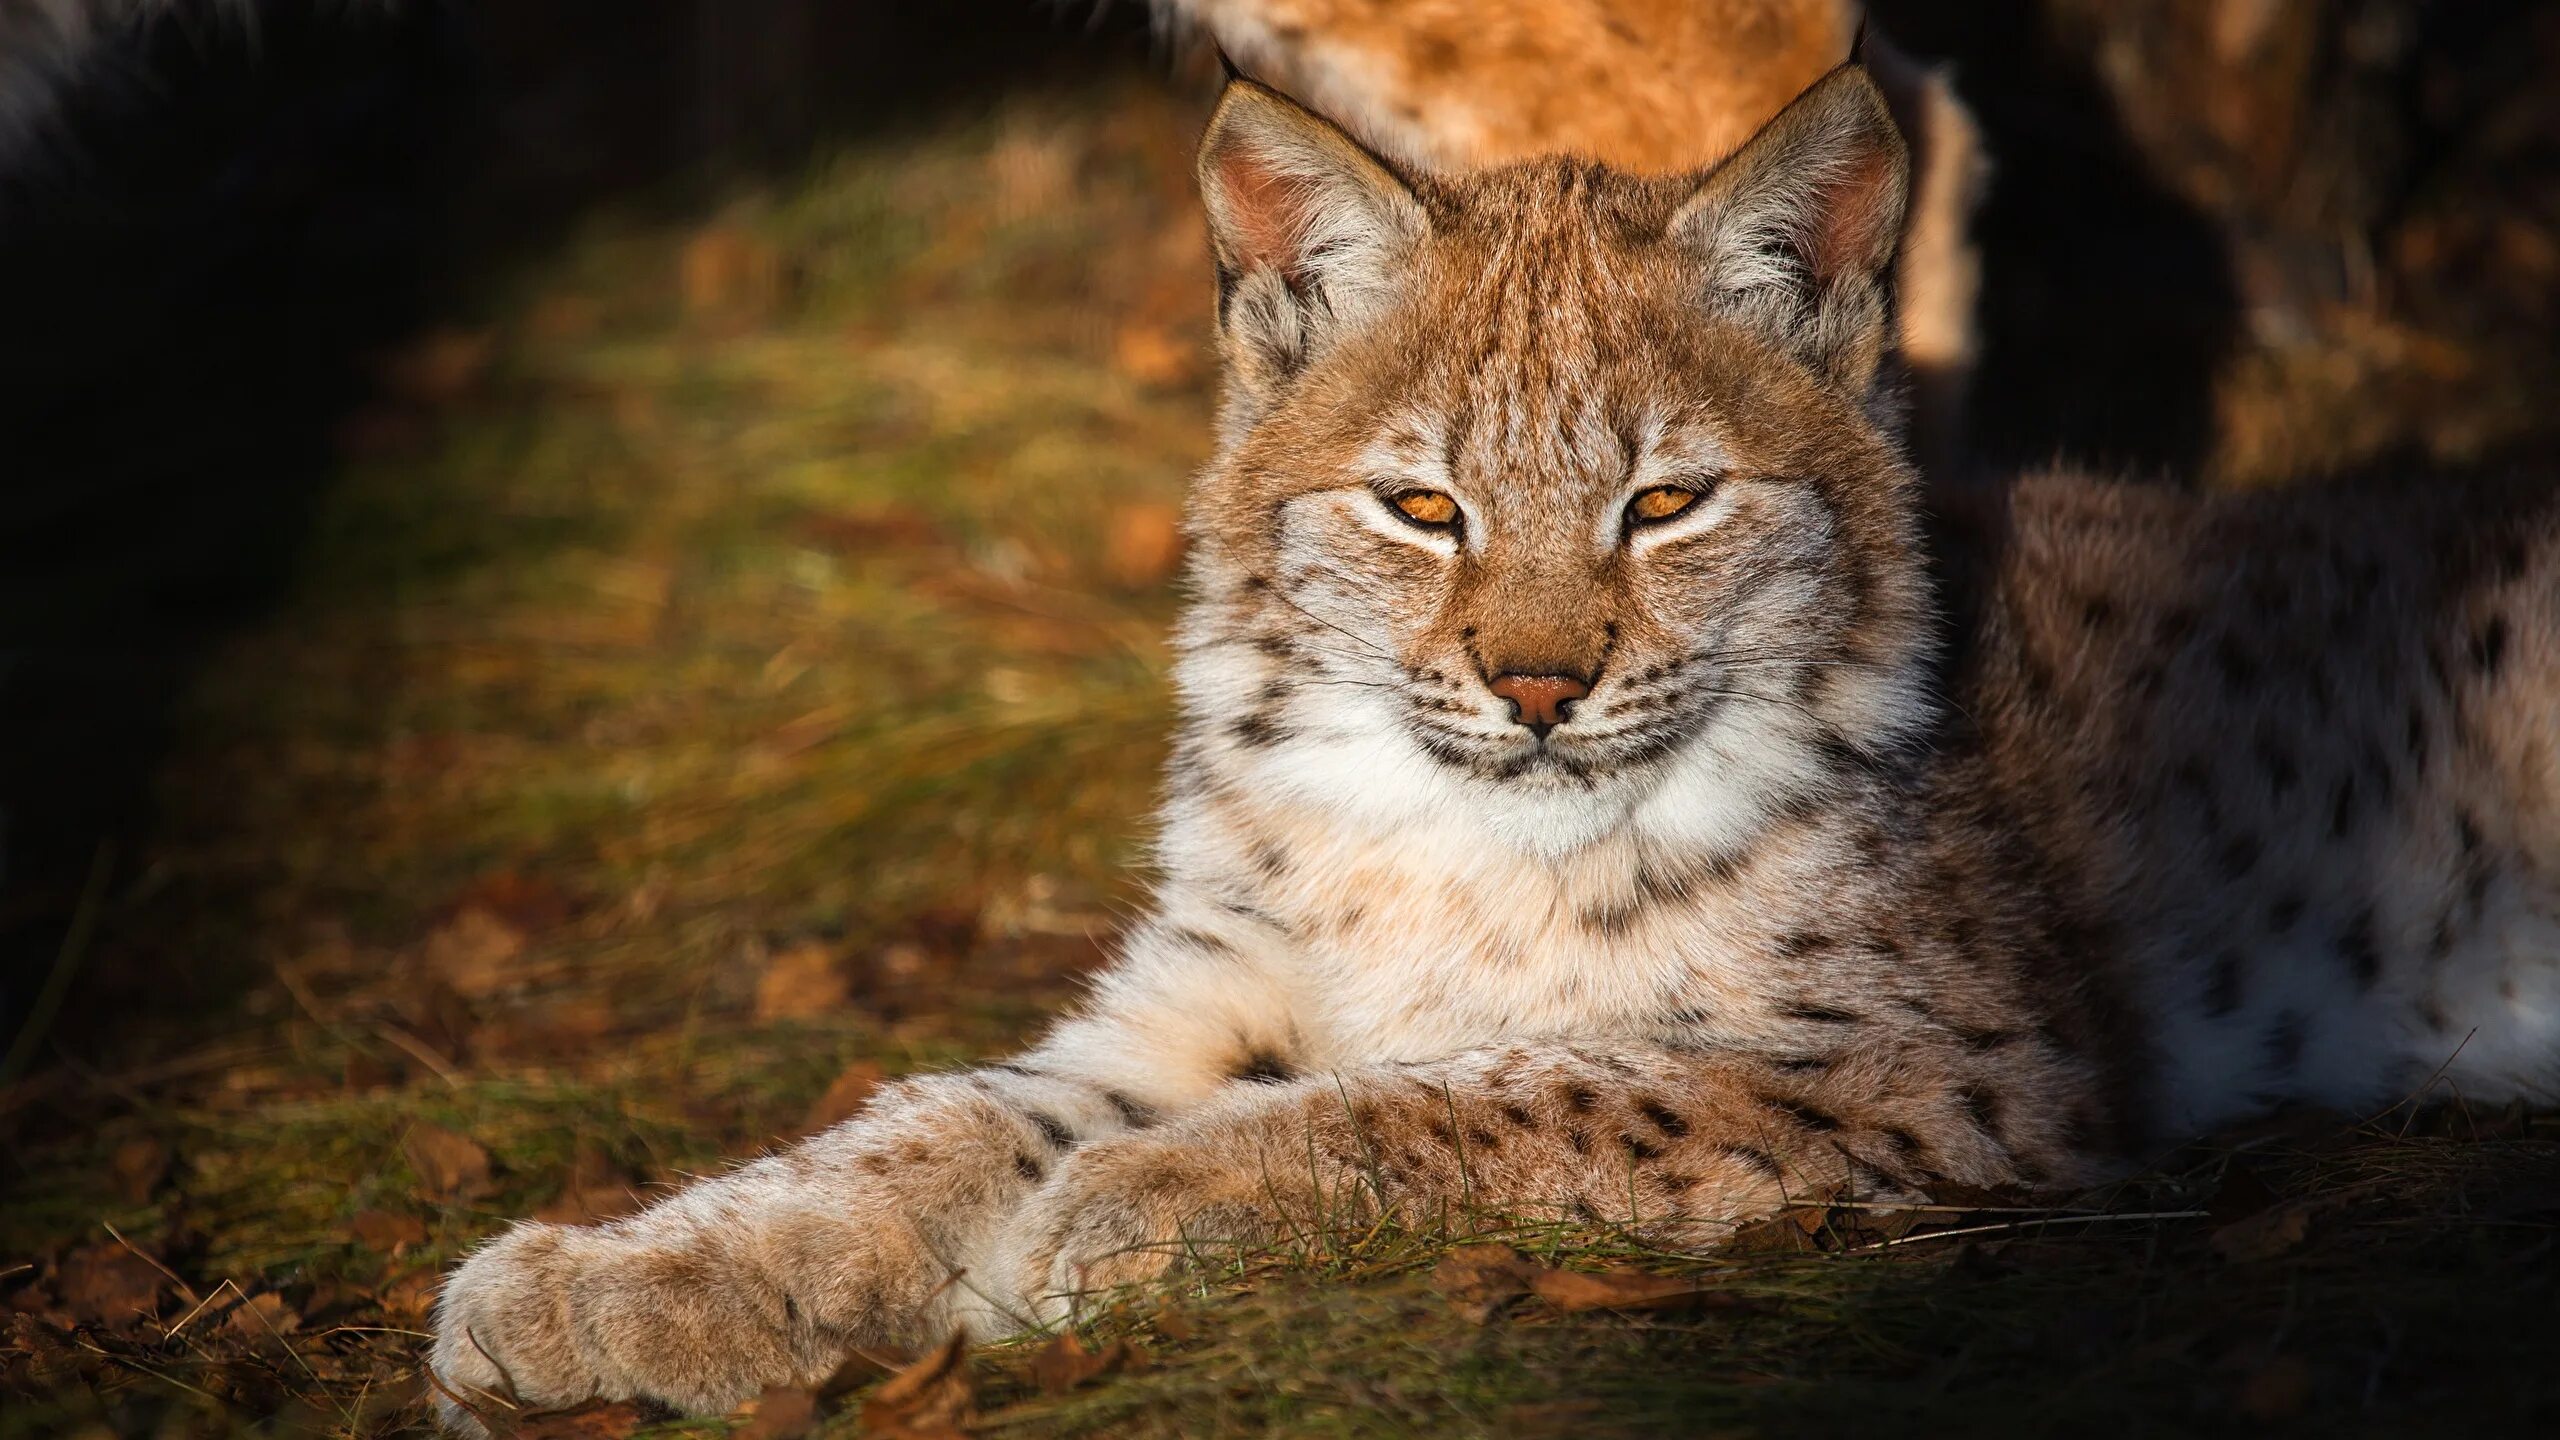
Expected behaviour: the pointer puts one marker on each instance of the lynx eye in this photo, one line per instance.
(1427, 508)
(1662, 502)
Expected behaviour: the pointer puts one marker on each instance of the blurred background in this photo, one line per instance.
(589, 574)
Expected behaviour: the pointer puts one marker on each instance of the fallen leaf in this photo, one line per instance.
(801, 981)
(1879, 1227)
(1480, 1279)
(450, 1166)
(929, 1400)
(50, 1355)
(474, 952)
(411, 1296)
(1626, 1289)
(846, 1097)
(387, 1232)
(2263, 1236)
(608, 1421)
(781, 1412)
(860, 1368)
(1780, 1234)
(1144, 545)
(108, 1284)
(137, 1166)
(1064, 1363)
(263, 1317)
(529, 903)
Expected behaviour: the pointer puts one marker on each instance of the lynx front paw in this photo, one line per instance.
(1122, 1213)
(546, 1317)
(504, 1342)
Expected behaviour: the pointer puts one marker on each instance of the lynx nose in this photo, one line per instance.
(1541, 702)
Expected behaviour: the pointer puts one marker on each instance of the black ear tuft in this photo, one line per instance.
(1796, 232)
(1310, 231)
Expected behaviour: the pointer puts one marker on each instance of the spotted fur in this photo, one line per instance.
(2222, 802)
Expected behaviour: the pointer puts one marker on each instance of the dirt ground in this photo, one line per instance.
(731, 673)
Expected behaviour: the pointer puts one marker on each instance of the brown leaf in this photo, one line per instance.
(387, 1232)
(50, 1355)
(607, 1421)
(528, 903)
(1625, 1289)
(846, 1097)
(474, 952)
(263, 1317)
(108, 1284)
(932, 1399)
(1064, 1363)
(860, 1368)
(803, 980)
(411, 1296)
(1144, 547)
(1480, 1279)
(1781, 1234)
(450, 1166)
(1876, 1227)
(2263, 1236)
(137, 1166)
(781, 1412)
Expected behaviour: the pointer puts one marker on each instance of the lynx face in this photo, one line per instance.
(1553, 492)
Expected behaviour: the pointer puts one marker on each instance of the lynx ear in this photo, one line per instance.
(1310, 232)
(1797, 230)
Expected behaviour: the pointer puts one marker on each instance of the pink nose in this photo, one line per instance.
(1541, 702)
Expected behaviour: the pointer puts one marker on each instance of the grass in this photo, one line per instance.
(736, 658)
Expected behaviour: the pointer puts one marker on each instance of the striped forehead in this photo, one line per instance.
(1513, 444)
(1529, 325)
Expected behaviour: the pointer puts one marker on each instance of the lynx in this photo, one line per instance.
(1575, 812)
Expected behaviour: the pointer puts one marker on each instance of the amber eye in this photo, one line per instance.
(1427, 507)
(1652, 507)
